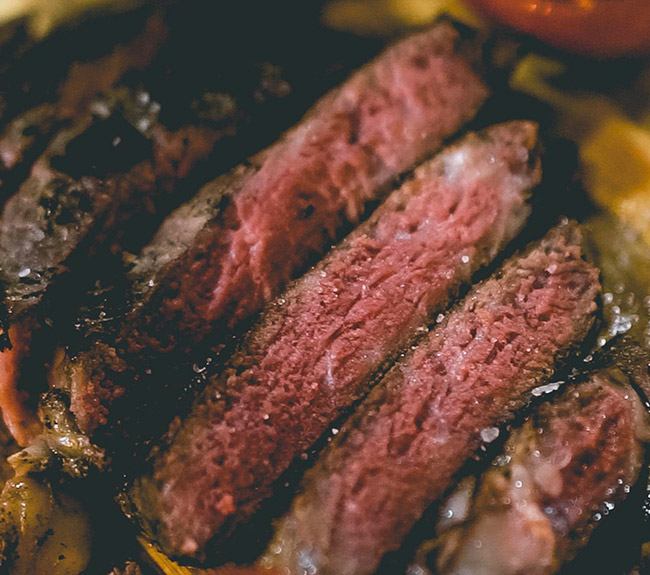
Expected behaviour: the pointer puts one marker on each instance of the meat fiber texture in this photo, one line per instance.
(106, 180)
(570, 464)
(316, 348)
(428, 415)
(223, 255)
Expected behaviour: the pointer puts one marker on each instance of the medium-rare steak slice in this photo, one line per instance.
(106, 181)
(433, 409)
(223, 255)
(573, 460)
(318, 347)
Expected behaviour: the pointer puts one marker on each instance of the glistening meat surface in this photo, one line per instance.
(105, 182)
(316, 348)
(577, 456)
(411, 435)
(151, 145)
(223, 255)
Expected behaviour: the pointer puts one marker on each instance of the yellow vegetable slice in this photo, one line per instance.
(45, 15)
(614, 150)
(386, 16)
(616, 159)
(169, 567)
(166, 565)
(42, 531)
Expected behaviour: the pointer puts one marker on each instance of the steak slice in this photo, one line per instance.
(55, 217)
(223, 255)
(574, 459)
(317, 348)
(56, 220)
(104, 183)
(428, 415)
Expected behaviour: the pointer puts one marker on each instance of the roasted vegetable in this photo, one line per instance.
(613, 141)
(386, 16)
(41, 531)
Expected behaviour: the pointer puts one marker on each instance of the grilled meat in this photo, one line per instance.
(317, 347)
(56, 218)
(221, 256)
(572, 462)
(433, 409)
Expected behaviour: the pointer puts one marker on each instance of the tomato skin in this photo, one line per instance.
(598, 28)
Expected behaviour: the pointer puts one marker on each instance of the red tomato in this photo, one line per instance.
(599, 28)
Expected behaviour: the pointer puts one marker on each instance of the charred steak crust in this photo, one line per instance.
(415, 430)
(55, 220)
(317, 347)
(29, 133)
(224, 254)
(107, 178)
(576, 457)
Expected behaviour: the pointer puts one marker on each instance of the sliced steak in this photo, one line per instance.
(222, 256)
(105, 182)
(427, 416)
(572, 461)
(316, 348)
